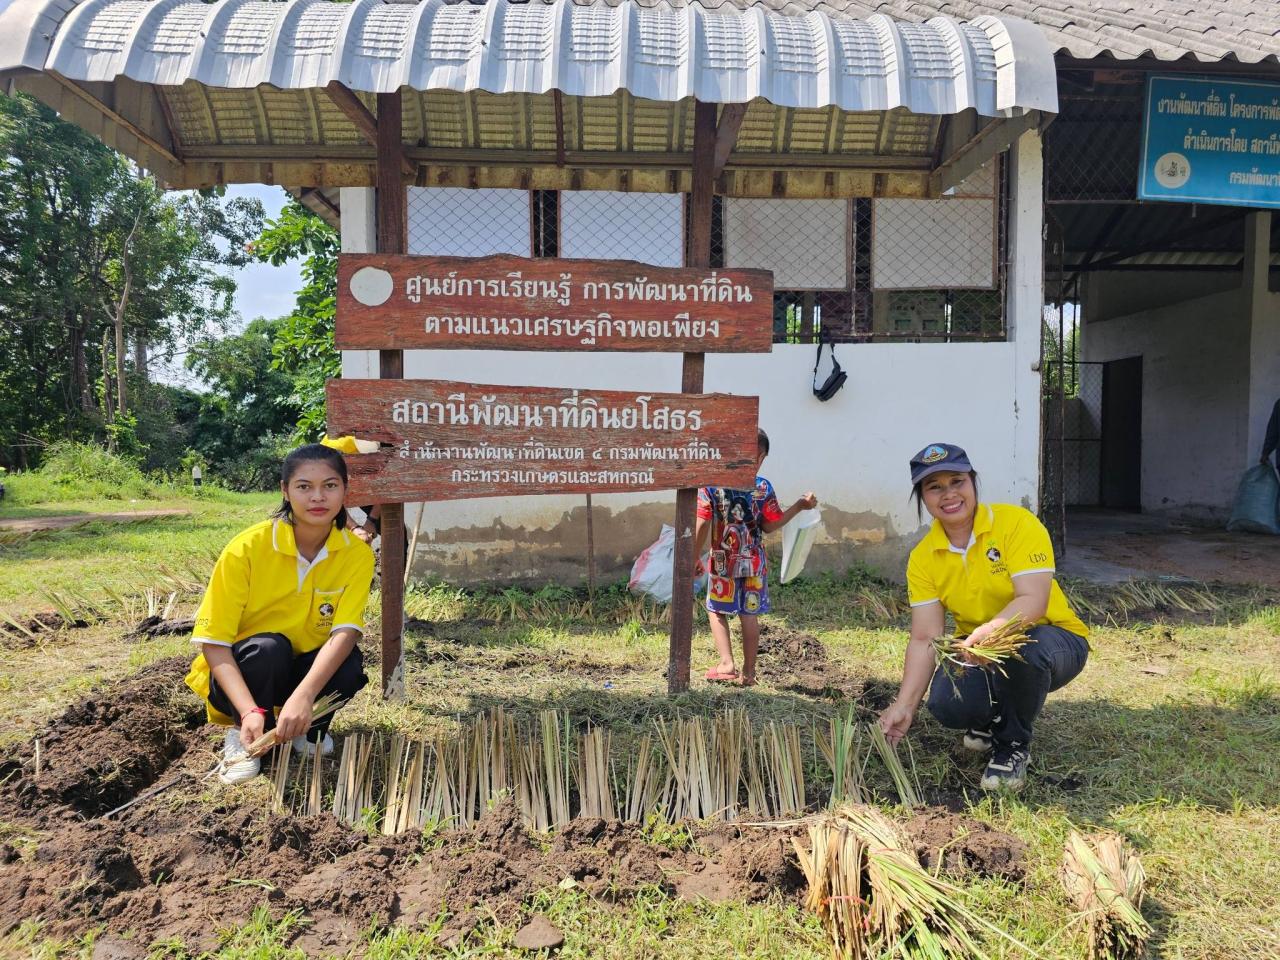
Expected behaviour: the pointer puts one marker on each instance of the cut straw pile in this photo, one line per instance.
(1104, 880)
(996, 648)
(874, 898)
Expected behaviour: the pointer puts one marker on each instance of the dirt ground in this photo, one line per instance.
(1111, 547)
(179, 865)
(40, 524)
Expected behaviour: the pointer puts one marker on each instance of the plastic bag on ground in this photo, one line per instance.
(797, 538)
(1256, 501)
(651, 573)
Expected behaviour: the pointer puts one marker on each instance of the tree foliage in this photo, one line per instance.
(303, 348)
(72, 214)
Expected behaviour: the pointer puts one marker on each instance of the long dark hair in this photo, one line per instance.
(917, 494)
(309, 453)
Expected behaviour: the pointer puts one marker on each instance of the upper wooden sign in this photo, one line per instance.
(455, 441)
(386, 301)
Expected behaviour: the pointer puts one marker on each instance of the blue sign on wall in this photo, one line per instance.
(1211, 141)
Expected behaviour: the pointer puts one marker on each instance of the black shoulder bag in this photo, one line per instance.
(835, 379)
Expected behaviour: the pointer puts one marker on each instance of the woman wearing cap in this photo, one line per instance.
(985, 563)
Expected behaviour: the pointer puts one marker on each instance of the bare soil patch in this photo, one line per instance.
(965, 846)
(165, 868)
(798, 662)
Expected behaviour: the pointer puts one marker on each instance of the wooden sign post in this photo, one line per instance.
(448, 440)
(455, 441)
(390, 212)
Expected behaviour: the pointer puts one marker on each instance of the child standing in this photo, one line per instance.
(737, 521)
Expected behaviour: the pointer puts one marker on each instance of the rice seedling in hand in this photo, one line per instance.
(1105, 881)
(993, 650)
(320, 709)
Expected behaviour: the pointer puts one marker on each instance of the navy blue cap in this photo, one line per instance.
(937, 457)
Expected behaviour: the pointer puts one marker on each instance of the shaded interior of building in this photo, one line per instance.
(1162, 338)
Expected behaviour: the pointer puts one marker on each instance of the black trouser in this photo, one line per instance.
(981, 699)
(272, 672)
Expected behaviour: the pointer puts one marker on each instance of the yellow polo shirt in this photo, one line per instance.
(977, 583)
(261, 585)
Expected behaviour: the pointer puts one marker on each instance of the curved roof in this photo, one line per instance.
(998, 66)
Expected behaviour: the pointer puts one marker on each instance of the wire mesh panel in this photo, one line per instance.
(622, 226)
(844, 270)
(1092, 147)
(452, 221)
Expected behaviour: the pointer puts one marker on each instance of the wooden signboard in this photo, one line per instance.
(454, 441)
(513, 303)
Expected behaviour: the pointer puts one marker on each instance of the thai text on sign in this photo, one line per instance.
(455, 441)
(514, 303)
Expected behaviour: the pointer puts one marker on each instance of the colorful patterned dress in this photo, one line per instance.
(737, 569)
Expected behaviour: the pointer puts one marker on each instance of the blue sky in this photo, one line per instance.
(263, 290)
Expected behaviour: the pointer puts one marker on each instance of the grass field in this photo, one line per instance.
(1171, 737)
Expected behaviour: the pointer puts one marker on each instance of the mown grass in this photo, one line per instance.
(1171, 736)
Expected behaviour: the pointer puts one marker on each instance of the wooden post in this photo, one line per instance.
(389, 205)
(697, 254)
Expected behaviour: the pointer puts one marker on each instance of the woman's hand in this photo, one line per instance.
(808, 501)
(295, 715)
(252, 726)
(896, 720)
(978, 635)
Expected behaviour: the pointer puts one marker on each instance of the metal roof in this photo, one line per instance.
(996, 66)
(1199, 30)
(549, 94)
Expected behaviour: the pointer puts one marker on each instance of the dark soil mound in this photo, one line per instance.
(798, 662)
(109, 746)
(965, 845)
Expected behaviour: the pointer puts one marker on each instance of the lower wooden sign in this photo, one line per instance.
(455, 441)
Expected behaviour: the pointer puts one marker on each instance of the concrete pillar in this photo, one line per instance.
(1264, 328)
(1025, 309)
(358, 235)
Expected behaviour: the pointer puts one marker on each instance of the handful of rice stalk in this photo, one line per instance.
(1105, 882)
(994, 649)
(874, 898)
(319, 710)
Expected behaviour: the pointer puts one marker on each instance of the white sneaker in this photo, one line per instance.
(237, 766)
(303, 745)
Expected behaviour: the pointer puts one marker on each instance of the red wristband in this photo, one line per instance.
(261, 710)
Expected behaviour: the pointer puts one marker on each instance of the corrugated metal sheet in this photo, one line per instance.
(1203, 30)
(999, 66)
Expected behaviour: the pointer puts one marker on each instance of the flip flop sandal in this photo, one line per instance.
(722, 676)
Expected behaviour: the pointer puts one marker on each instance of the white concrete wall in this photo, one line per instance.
(852, 451)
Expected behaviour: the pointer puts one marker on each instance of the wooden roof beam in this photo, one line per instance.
(989, 140)
(731, 117)
(363, 119)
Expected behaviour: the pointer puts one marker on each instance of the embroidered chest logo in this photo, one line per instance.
(995, 558)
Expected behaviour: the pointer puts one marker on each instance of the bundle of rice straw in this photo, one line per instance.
(319, 710)
(875, 899)
(1104, 880)
(995, 648)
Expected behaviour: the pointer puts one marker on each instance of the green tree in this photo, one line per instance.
(303, 348)
(249, 413)
(94, 256)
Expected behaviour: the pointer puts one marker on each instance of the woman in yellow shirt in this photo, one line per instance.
(281, 616)
(985, 563)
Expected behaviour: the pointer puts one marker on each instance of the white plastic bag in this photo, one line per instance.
(797, 538)
(651, 573)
